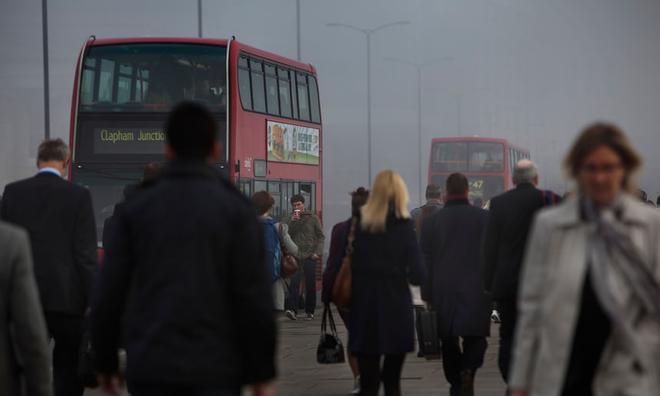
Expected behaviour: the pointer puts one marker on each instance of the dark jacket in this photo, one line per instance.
(336, 255)
(451, 241)
(509, 222)
(420, 214)
(59, 219)
(200, 311)
(381, 315)
(307, 234)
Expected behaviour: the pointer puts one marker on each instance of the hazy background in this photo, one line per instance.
(531, 71)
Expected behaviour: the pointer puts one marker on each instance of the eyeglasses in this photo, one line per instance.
(607, 169)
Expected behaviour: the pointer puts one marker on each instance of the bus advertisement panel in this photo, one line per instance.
(293, 143)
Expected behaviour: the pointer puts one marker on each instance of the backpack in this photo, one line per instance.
(272, 247)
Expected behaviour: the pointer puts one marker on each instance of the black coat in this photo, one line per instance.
(381, 315)
(451, 243)
(59, 218)
(509, 221)
(200, 310)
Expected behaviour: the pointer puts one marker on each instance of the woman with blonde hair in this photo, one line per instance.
(386, 258)
(589, 303)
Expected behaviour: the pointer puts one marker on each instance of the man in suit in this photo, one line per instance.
(187, 255)
(451, 241)
(23, 333)
(59, 219)
(510, 218)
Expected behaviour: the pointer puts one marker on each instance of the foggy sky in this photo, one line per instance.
(531, 71)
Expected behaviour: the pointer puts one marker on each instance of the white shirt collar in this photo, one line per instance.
(48, 169)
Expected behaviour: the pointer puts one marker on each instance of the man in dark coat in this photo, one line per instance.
(509, 221)
(419, 215)
(189, 248)
(451, 241)
(59, 219)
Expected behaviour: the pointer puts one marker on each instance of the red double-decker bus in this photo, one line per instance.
(267, 107)
(487, 163)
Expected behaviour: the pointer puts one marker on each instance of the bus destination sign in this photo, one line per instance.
(129, 140)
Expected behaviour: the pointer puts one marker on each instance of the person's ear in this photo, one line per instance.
(536, 181)
(169, 152)
(65, 167)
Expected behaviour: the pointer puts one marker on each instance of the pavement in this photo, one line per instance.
(300, 375)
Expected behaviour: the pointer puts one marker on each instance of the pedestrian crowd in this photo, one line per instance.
(193, 275)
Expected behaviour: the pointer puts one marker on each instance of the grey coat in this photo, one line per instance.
(554, 270)
(23, 338)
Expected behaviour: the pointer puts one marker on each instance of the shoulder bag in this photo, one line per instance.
(289, 264)
(342, 289)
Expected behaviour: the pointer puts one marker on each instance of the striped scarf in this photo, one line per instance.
(612, 255)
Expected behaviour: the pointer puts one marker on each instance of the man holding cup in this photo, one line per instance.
(306, 231)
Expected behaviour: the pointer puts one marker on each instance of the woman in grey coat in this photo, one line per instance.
(589, 302)
(24, 352)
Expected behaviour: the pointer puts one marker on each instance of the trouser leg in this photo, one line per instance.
(369, 374)
(474, 350)
(66, 331)
(391, 374)
(508, 316)
(452, 360)
(310, 286)
(293, 296)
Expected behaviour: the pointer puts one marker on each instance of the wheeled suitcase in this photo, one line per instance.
(427, 333)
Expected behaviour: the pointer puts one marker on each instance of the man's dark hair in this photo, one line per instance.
(457, 184)
(262, 201)
(359, 197)
(53, 150)
(433, 191)
(297, 198)
(191, 131)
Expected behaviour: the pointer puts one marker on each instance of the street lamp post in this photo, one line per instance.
(298, 47)
(368, 33)
(418, 67)
(199, 18)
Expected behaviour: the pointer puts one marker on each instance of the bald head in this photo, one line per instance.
(525, 172)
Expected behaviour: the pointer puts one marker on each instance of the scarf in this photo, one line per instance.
(612, 254)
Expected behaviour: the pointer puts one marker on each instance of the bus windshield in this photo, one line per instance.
(468, 157)
(151, 77)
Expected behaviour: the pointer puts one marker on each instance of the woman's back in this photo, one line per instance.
(381, 306)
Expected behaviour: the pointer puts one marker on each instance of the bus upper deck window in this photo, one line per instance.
(303, 97)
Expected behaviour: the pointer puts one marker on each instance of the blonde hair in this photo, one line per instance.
(389, 191)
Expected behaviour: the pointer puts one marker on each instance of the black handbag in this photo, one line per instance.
(330, 349)
(427, 332)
